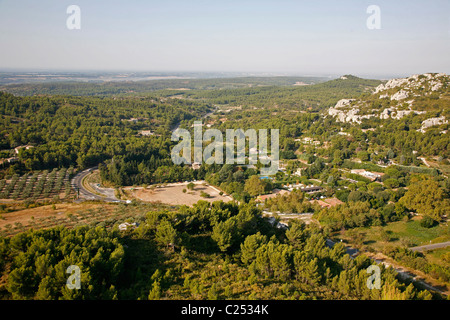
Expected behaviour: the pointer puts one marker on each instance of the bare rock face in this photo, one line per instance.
(393, 83)
(396, 90)
(402, 94)
(343, 113)
(406, 85)
(344, 103)
(432, 122)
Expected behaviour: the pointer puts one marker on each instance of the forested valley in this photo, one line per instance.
(217, 250)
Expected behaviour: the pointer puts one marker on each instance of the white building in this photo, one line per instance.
(124, 226)
(367, 174)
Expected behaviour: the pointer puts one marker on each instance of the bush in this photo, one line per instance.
(427, 222)
(190, 186)
(342, 195)
(391, 183)
(356, 196)
(203, 194)
(288, 154)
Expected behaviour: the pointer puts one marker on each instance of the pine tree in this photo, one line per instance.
(296, 234)
(223, 233)
(212, 293)
(155, 292)
(249, 247)
(312, 273)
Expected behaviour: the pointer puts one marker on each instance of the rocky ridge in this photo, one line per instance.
(394, 99)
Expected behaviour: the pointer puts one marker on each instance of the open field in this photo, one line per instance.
(26, 216)
(400, 233)
(376, 241)
(173, 194)
(17, 218)
(70, 215)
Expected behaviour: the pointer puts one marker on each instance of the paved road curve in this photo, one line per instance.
(77, 183)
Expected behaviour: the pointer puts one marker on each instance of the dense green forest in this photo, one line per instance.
(142, 87)
(86, 131)
(316, 96)
(107, 131)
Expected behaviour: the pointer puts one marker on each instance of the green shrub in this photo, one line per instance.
(203, 194)
(427, 222)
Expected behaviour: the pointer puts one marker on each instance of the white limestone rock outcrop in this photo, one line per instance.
(401, 95)
(432, 122)
(395, 90)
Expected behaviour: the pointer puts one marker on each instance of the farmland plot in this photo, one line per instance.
(38, 185)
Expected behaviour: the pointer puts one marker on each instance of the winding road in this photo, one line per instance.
(83, 193)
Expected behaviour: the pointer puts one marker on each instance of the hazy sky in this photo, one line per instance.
(303, 37)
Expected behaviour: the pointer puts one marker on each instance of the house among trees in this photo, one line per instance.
(327, 203)
(370, 175)
(311, 189)
(309, 140)
(135, 120)
(146, 133)
(275, 193)
(17, 149)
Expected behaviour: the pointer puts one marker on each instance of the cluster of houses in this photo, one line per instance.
(289, 188)
(303, 188)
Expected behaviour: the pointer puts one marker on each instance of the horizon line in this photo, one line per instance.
(216, 74)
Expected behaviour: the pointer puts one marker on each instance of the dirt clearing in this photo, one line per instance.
(173, 194)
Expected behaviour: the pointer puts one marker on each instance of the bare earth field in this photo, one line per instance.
(173, 194)
(61, 210)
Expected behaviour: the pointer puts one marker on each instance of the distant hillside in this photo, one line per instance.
(350, 80)
(130, 87)
(425, 95)
(295, 97)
